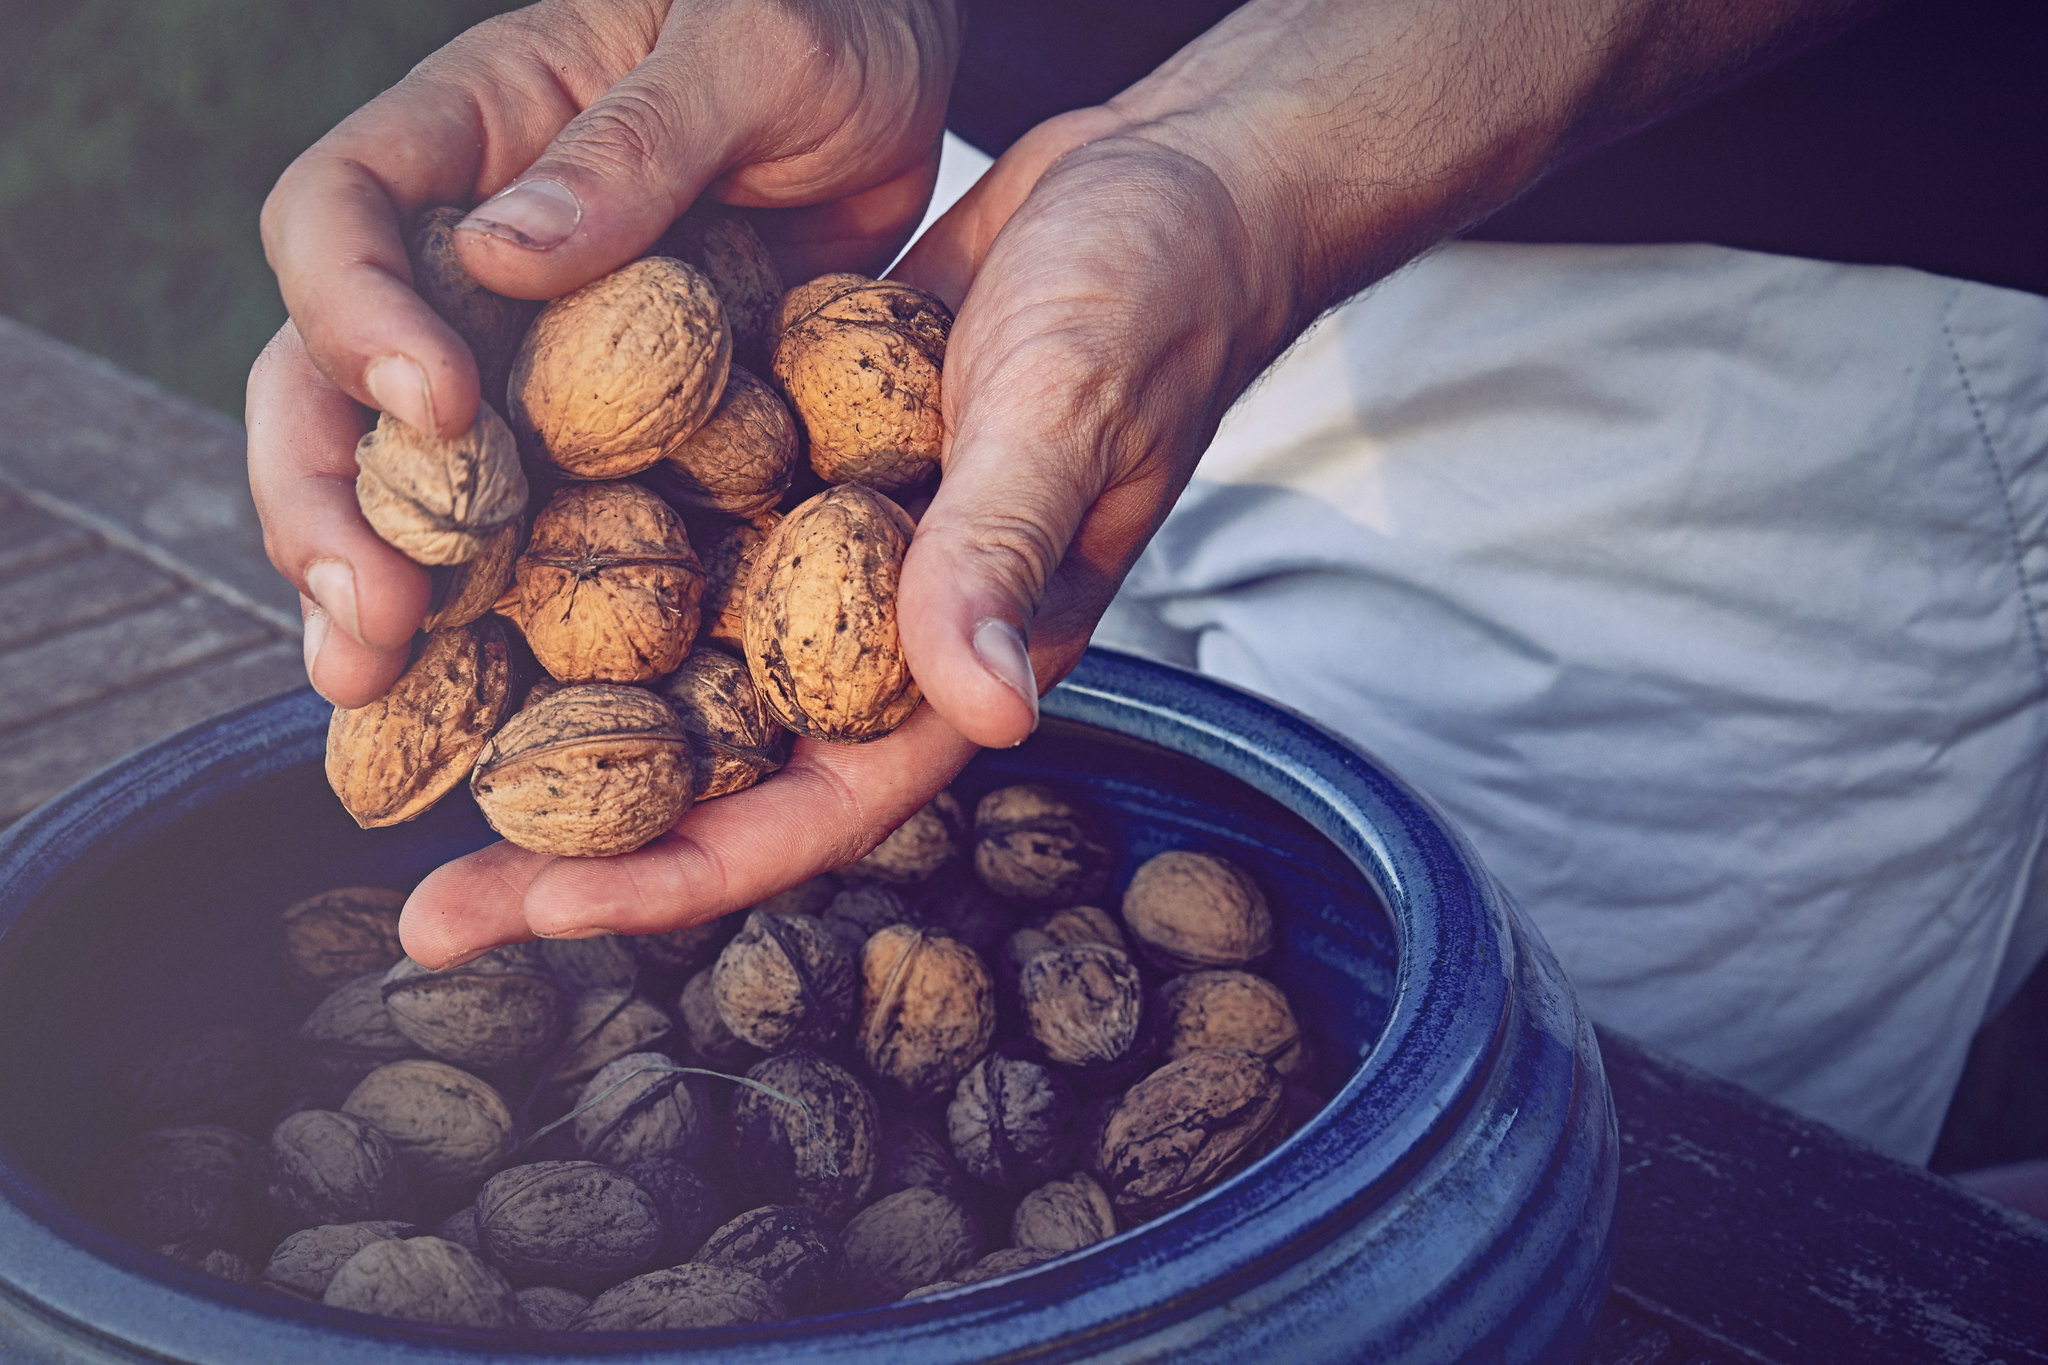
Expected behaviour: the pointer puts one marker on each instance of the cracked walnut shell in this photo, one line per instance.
(611, 373)
(436, 501)
(394, 758)
(592, 770)
(821, 617)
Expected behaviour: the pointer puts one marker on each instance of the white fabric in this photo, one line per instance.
(1704, 590)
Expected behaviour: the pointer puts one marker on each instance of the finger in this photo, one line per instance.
(302, 437)
(829, 805)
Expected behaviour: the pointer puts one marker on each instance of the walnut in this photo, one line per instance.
(863, 909)
(821, 618)
(549, 1307)
(805, 898)
(962, 907)
(194, 1180)
(436, 501)
(684, 1296)
(394, 758)
(1075, 924)
(492, 1014)
(997, 1264)
(927, 1011)
(218, 1073)
(1031, 845)
(489, 324)
(604, 1025)
(584, 964)
(1184, 1128)
(1193, 910)
(1235, 1010)
(304, 1263)
(1063, 1215)
(451, 1129)
(639, 1105)
(208, 1257)
(677, 954)
(423, 1279)
(912, 1155)
(1012, 1123)
(468, 591)
(326, 1167)
(740, 462)
(346, 1037)
(813, 1141)
(460, 1228)
(709, 1040)
(690, 1205)
(918, 848)
(1083, 1003)
(808, 297)
(607, 589)
(727, 553)
(735, 740)
(573, 1223)
(862, 369)
(903, 1240)
(592, 770)
(331, 939)
(790, 1248)
(784, 981)
(611, 373)
(724, 245)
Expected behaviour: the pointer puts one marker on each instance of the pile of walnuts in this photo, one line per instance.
(678, 545)
(947, 1064)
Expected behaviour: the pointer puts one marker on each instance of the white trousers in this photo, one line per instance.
(1705, 591)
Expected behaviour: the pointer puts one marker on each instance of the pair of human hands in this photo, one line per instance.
(1120, 276)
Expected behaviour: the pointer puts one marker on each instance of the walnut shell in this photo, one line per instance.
(963, 907)
(304, 1263)
(735, 740)
(326, 1167)
(912, 1155)
(927, 1011)
(467, 592)
(724, 245)
(209, 1258)
(391, 760)
(550, 1307)
(640, 1106)
(1074, 924)
(821, 618)
(684, 1296)
(1184, 1128)
(220, 1073)
(740, 462)
(1083, 1003)
(1032, 845)
(1012, 1123)
(609, 374)
(436, 501)
(489, 324)
(451, 1129)
(1063, 1215)
(997, 1264)
(1193, 910)
(863, 909)
(423, 1279)
(594, 769)
(194, 1180)
(331, 939)
(918, 848)
(691, 1206)
(608, 586)
(679, 953)
(727, 553)
(790, 1248)
(903, 1240)
(784, 981)
(584, 964)
(573, 1223)
(1235, 1010)
(806, 298)
(810, 897)
(709, 1040)
(863, 369)
(459, 1227)
(492, 1014)
(813, 1142)
(346, 1037)
(604, 1025)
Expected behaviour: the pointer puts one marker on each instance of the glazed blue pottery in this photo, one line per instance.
(1454, 1201)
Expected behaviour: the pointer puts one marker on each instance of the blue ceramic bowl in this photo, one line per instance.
(1453, 1202)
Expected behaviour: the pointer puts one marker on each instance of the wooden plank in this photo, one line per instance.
(31, 538)
(81, 666)
(1776, 1238)
(42, 761)
(77, 592)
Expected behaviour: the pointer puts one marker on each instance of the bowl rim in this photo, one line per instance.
(1450, 1008)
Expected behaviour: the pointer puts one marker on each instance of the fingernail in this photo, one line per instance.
(1000, 647)
(575, 933)
(399, 387)
(316, 636)
(332, 583)
(535, 214)
(460, 958)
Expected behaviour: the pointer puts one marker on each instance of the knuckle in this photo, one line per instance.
(629, 130)
(1010, 547)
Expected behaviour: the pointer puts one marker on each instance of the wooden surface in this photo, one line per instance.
(135, 601)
